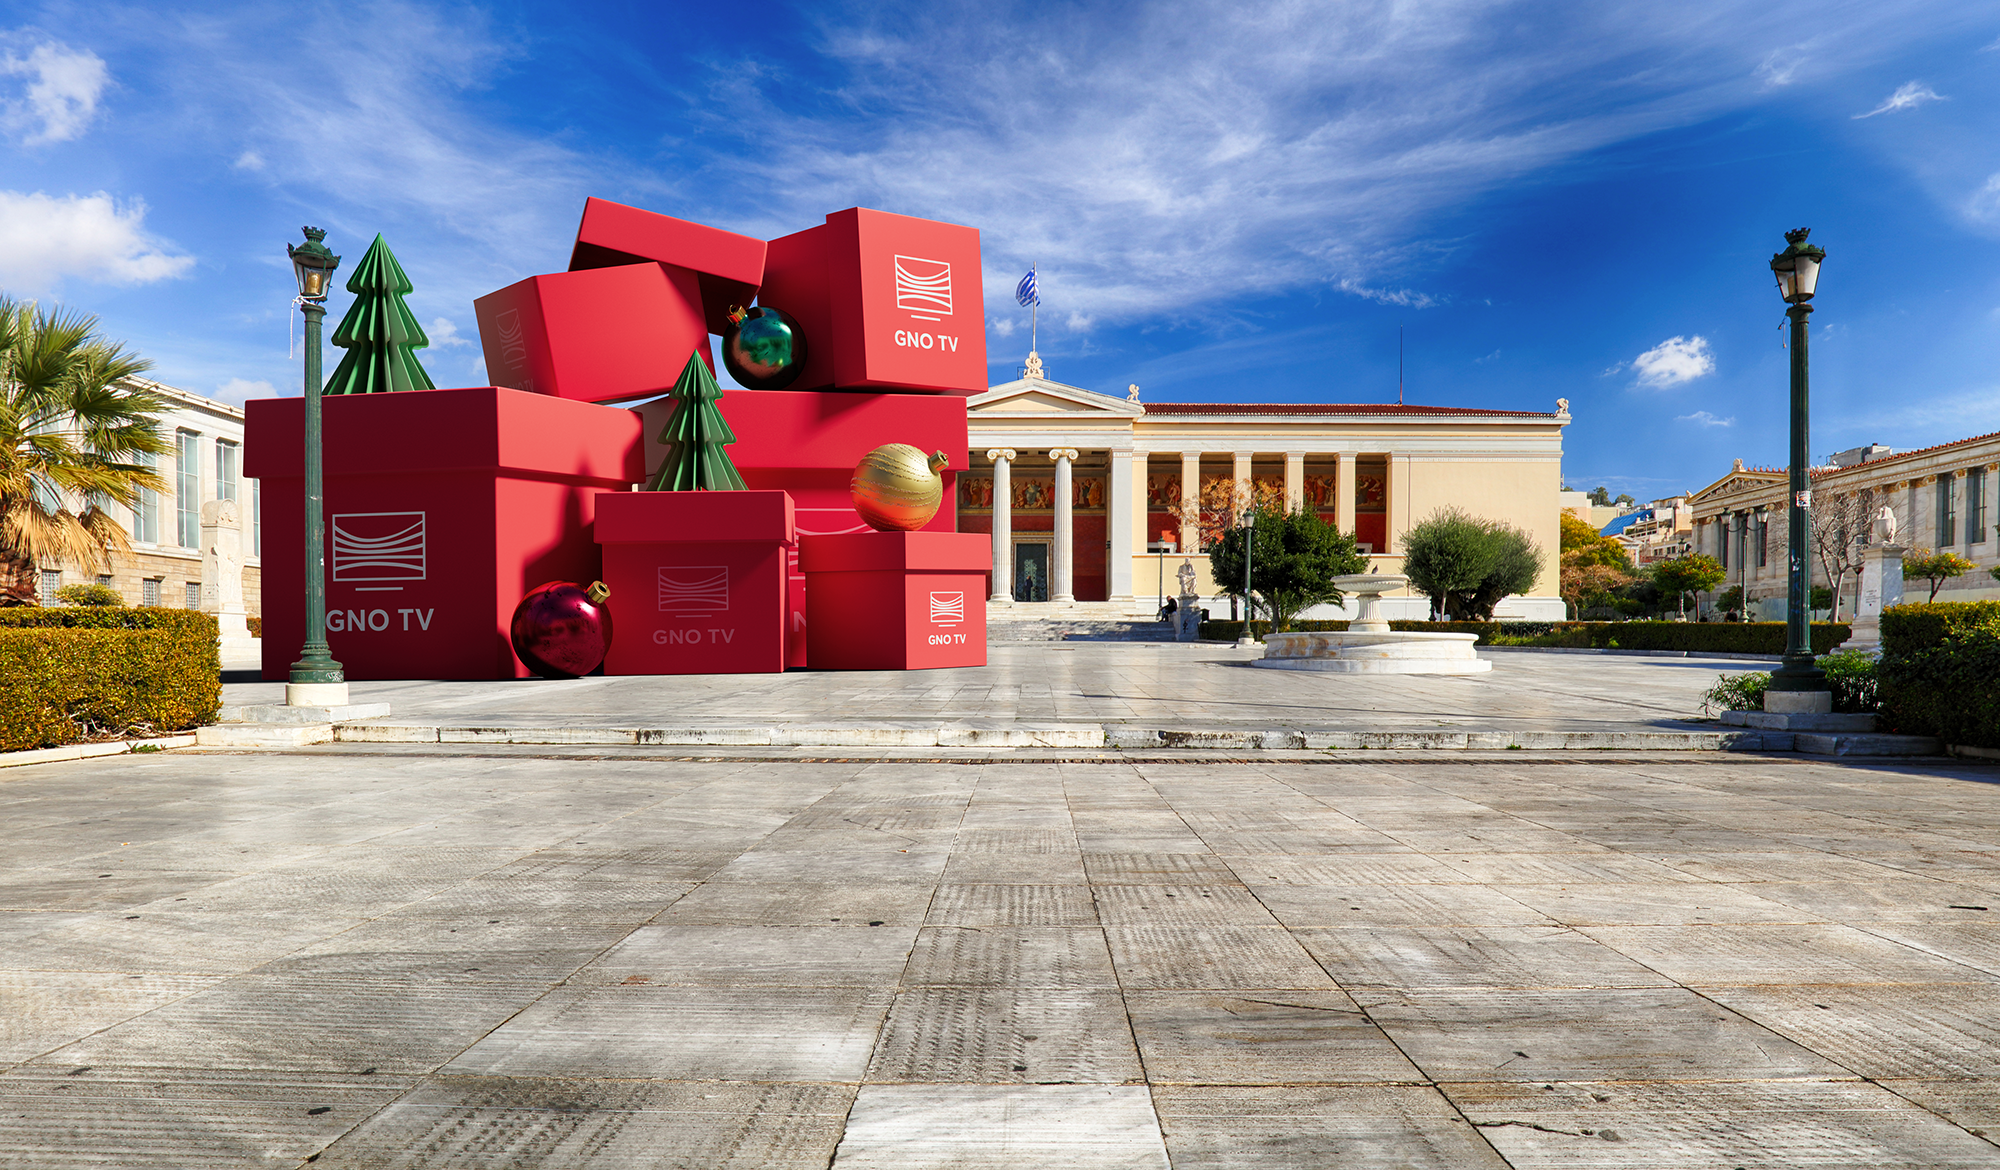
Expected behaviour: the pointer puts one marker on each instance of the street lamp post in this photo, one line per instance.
(1799, 683)
(317, 680)
(1249, 637)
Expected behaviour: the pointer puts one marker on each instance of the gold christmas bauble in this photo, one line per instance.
(896, 486)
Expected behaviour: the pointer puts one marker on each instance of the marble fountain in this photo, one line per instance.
(1368, 645)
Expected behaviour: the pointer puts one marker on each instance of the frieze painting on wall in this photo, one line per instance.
(1031, 494)
(1369, 491)
(1162, 492)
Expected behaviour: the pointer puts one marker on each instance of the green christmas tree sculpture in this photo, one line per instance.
(695, 437)
(379, 333)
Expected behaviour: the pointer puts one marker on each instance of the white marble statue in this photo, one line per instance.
(1185, 575)
(1885, 526)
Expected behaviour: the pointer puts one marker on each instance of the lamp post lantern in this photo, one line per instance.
(317, 680)
(1801, 684)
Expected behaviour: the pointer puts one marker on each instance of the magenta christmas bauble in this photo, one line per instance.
(562, 629)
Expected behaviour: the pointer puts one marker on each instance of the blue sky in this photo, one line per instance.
(1227, 202)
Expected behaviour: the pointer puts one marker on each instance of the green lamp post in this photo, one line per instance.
(317, 680)
(1800, 682)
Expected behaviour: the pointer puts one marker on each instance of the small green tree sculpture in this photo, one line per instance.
(695, 437)
(379, 333)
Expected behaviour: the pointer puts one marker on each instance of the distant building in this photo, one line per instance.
(1943, 498)
(1660, 531)
(205, 463)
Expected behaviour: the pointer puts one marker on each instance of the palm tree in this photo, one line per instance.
(71, 438)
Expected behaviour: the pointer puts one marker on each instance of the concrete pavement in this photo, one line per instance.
(480, 956)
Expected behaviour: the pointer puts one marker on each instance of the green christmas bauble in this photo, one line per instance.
(763, 348)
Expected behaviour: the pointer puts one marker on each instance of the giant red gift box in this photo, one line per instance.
(728, 267)
(885, 301)
(807, 444)
(699, 581)
(895, 600)
(443, 507)
(597, 335)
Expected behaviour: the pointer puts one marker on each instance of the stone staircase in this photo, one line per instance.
(1095, 621)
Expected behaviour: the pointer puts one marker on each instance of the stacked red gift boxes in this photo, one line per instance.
(444, 507)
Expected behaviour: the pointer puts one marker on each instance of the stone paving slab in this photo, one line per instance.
(482, 955)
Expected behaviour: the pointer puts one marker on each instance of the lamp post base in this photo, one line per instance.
(316, 694)
(1799, 702)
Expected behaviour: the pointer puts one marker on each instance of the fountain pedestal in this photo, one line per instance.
(1368, 645)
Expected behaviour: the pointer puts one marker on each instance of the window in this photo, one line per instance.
(1763, 539)
(1975, 506)
(1722, 540)
(1946, 517)
(194, 594)
(146, 511)
(104, 579)
(51, 581)
(149, 591)
(187, 489)
(225, 470)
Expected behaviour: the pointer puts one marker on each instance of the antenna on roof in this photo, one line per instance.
(1399, 363)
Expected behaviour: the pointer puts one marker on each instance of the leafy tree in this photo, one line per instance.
(72, 439)
(695, 437)
(1467, 565)
(1293, 561)
(89, 594)
(1819, 597)
(1218, 505)
(1586, 586)
(1601, 496)
(1935, 567)
(379, 333)
(1625, 500)
(1730, 600)
(1694, 573)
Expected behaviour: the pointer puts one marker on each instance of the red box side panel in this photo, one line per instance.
(795, 280)
(597, 335)
(909, 309)
(692, 608)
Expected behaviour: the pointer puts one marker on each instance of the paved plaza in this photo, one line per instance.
(480, 956)
(1077, 694)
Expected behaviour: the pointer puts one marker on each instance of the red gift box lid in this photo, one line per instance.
(695, 517)
(730, 267)
(868, 552)
(482, 427)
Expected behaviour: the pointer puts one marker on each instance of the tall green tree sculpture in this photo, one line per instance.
(695, 437)
(379, 333)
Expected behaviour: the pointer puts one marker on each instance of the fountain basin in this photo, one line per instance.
(1368, 645)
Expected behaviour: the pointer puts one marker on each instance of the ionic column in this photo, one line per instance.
(1061, 572)
(1295, 481)
(1119, 521)
(1190, 501)
(1343, 488)
(1003, 524)
(1241, 488)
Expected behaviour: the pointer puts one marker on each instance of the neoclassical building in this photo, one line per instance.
(1079, 489)
(1944, 498)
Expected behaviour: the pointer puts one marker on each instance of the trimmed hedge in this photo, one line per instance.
(1940, 671)
(1701, 637)
(75, 673)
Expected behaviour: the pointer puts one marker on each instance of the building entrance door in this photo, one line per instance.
(1031, 571)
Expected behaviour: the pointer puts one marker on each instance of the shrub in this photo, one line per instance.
(1736, 692)
(1467, 565)
(1855, 684)
(95, 672)
(91, 594)
(256, 625)
(1940, 671)
(1694, 637)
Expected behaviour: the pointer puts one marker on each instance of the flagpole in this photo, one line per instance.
(1035, 315)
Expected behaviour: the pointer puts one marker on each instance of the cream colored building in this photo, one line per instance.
(205, 463)
(1943, 497)
(1087, 482)
(1663, 531)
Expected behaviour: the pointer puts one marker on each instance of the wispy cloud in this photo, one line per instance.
(1907, 97)
(443, 333)
(1781, 66)
(1985, 202)
(45, 239)
(1702, 418)
(243, 389)
(60, 97)
(1675, 361)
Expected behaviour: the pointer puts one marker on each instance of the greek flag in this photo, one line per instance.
(1024, 292)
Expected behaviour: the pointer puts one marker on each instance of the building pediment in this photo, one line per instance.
(1741, 480)
(1039, 397)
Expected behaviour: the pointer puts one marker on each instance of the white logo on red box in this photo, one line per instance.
(947, 609)
(923, 287)
(694, 588)
(378, 546)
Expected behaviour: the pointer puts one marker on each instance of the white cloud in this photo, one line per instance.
(443, 333)
(1491, 357)
(249, 160)
(1080, 322)
(45, 239)
(1704, 419)
(1779, 68)
(241, 389)
(1907, 97)
(1409, 298)
(1985, 202)
(1674, 361)
(61, 96)
(1003, 327)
